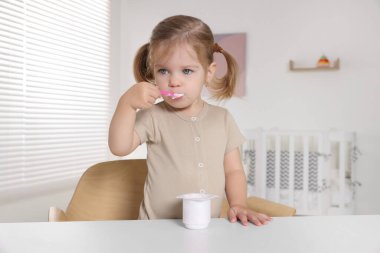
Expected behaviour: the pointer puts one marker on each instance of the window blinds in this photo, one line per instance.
(54, 89)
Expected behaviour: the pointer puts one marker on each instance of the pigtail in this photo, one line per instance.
(224, 87)
(141, 69)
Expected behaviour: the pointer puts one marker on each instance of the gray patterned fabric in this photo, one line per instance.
(249, 160)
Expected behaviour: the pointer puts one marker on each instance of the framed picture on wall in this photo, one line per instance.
(235, 44)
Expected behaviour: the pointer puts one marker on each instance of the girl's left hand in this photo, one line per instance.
(246, 215)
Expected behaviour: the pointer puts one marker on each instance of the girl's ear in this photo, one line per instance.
(210, 72)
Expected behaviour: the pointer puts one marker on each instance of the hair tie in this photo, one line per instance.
(217, 48)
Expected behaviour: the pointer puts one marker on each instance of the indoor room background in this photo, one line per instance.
(276, 32)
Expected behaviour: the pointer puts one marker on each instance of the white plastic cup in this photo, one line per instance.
(196, 210)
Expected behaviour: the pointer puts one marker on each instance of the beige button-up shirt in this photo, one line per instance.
(185, 155)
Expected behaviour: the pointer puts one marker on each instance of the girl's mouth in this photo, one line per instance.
(171, 94)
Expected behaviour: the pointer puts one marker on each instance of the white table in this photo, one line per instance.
(295, 234)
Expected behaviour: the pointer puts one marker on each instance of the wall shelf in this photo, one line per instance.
(334, 66)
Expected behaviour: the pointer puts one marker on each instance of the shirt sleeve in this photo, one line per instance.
(144, 126)
(234, 137)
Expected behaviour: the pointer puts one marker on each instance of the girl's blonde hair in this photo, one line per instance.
(178, 29)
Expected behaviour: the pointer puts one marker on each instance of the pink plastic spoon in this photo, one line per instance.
(170, 94)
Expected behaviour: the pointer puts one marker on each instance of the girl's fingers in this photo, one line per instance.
(154, 91)
(232, 215)
(151, 100)
(260, 218)
(254, 219)
(264, 217)
(145, 95)
(243, 218)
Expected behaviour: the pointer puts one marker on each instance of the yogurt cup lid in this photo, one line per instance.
(197, 196)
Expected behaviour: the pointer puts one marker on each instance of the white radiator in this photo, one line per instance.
(312, 171)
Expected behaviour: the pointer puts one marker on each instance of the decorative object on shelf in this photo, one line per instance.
(323, 64)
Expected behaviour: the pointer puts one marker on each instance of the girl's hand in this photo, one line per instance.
(246, 215)
(141, 95)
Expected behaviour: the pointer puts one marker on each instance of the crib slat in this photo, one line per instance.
(291, 170)
(328, 171)
(320, 168)
(306, 171)
(277, 167)
(342, 172)
(261, 162)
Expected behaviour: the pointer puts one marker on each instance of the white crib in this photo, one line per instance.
(276, 168)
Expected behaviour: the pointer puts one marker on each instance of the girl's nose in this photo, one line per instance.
(172, 85)
(173, 82)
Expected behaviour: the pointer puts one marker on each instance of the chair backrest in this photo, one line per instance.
(261, 205)
(109, 191)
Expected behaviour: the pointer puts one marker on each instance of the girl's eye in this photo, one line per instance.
(187, 71)
(163, 71)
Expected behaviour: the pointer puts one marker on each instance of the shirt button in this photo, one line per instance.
(201, 165)
(197, 139)
(193, 118)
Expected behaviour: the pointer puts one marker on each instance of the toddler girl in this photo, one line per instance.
(192, 145)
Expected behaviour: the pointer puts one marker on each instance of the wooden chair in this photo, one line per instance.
(260, 205)
(114, 190)
(106, 191)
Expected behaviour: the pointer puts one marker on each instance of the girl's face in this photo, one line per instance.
(179, 70)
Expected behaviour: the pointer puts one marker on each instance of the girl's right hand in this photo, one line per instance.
(141, 95)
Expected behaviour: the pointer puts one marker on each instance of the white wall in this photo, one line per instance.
(278, 31)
